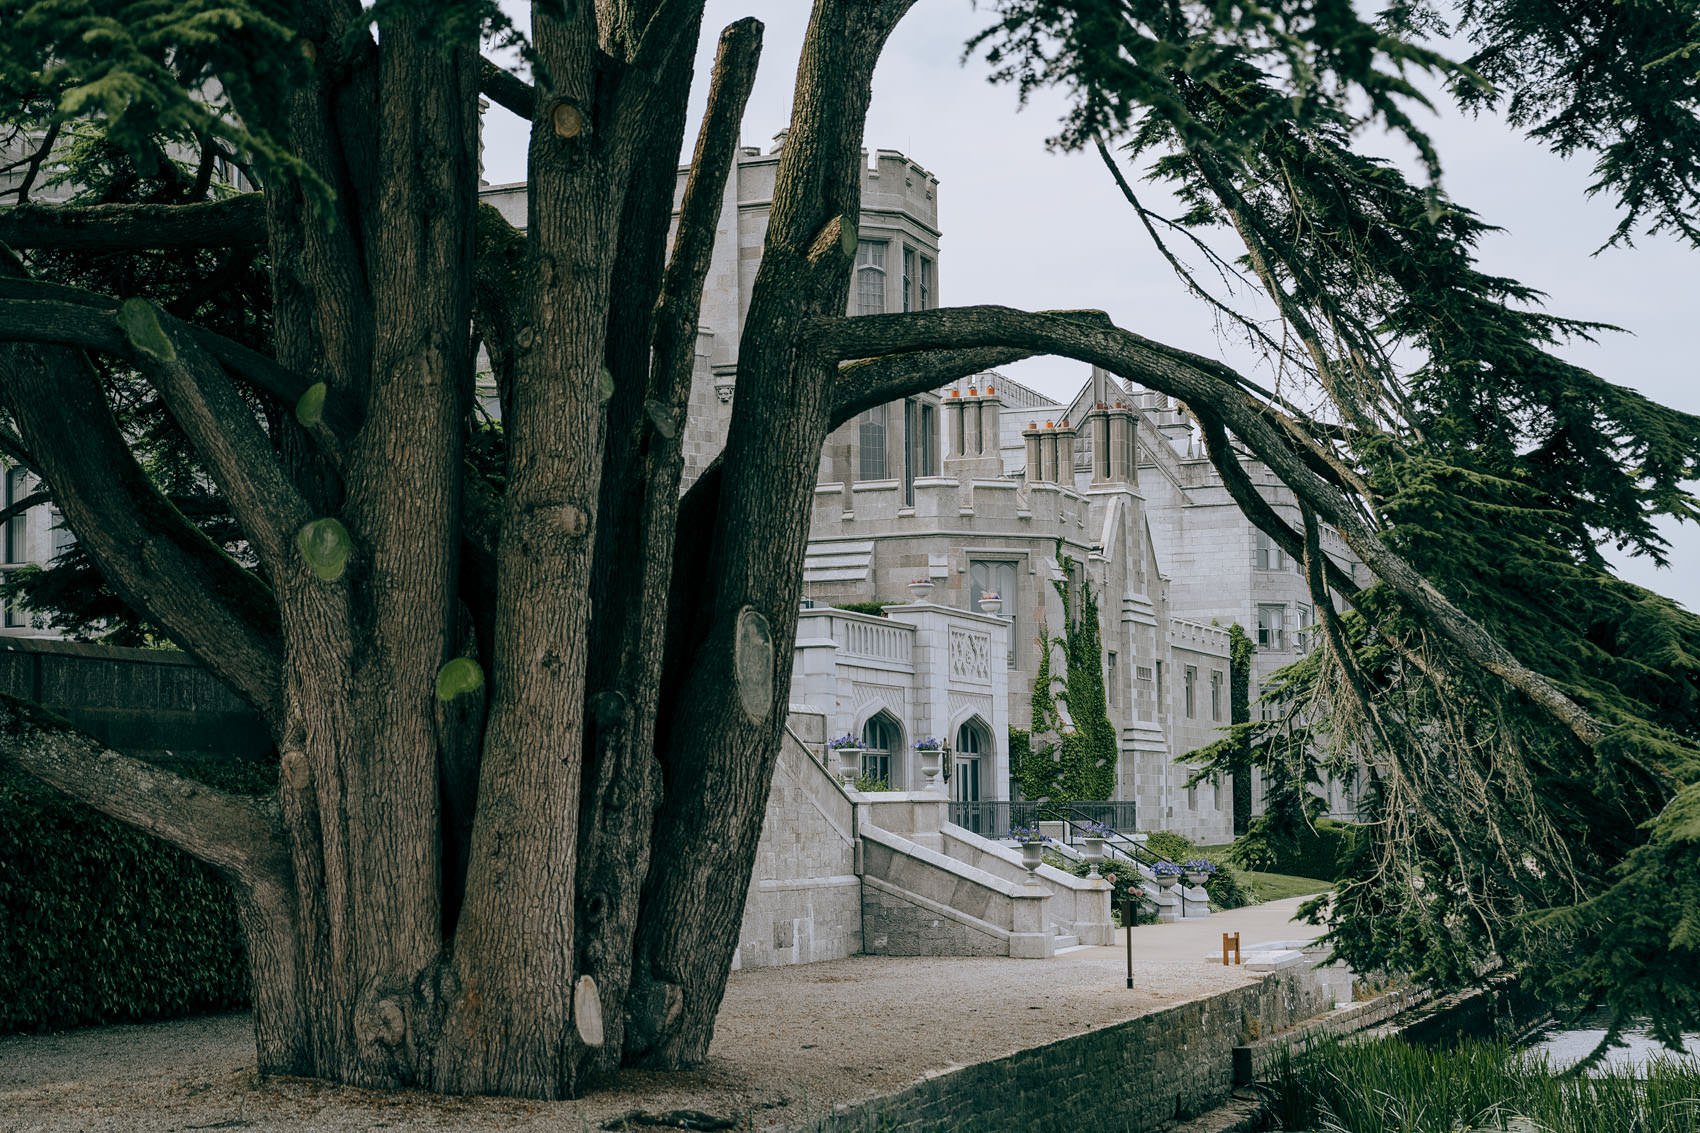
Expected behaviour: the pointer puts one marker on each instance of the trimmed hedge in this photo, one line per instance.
(100, 923)
(1325, 850)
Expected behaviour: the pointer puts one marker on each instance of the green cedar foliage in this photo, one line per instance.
(1495, 467)
(1617, 81)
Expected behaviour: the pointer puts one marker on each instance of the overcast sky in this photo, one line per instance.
(1030, 228)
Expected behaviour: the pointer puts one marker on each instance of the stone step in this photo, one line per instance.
(1072, 948)
(1063, 942)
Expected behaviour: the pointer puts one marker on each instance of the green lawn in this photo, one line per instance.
(1276, 886)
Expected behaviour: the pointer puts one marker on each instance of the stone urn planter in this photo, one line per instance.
(849, 764)
(1093, 852)
(990, 602)
(1196, 877)
(1032, 855)
(932, 764)
(1167, 880)
(920, 588)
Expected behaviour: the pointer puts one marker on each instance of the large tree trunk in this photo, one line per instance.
(725, 735)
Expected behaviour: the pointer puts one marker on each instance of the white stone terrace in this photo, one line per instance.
(927, 670)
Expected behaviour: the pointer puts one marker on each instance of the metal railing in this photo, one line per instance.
(994, 819)
(1075, 815)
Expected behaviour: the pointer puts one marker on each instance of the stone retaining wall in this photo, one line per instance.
(1137, 1076)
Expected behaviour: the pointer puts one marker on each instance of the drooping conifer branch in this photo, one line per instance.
(1198, 381)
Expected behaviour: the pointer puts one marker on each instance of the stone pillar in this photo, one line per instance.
(1121, 445)
(1031, 938)
(1098, 431)
(1048, 453)
(953, 424)
(1030, 436)
(1065, 455)
(991, 412)
(971, 423)
(1168, 902)
(1195, 902)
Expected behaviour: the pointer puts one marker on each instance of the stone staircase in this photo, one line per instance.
(931, 888)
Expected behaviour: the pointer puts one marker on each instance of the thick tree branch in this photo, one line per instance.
(53, 314)
(663, 33)
(18, 507)
(1201, 381)
(749, 581)
(1257, 509)
(13, 448)
(874, 381)
(237, 452)
(640, 501)
(717, 142)
(156, 560)
(506, 89)
(239, 836)
(232, 222)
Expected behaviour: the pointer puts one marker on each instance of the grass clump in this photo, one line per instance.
(1392, 1086)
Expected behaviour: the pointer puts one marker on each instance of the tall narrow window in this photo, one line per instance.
(870, 277)
(910, 424)
(1112, 679)
(920, 427)
(1190, 681)
(1272, 627)
(1216, 694)
(908, 279)
(1301, 636)
(17, 535)
(17, 528)
(62, 536)
(999, 577)
(929, 439)
(1269, 556)
(870, 444)
(925, 299)
(880, 738)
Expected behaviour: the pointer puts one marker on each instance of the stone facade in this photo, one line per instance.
(929, 670)
(1022, 500)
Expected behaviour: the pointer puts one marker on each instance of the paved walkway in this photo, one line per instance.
(1256, 924)
(790, 1043)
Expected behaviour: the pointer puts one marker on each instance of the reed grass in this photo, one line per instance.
(1391, 1086)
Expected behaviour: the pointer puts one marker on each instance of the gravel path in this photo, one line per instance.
(790, 1043)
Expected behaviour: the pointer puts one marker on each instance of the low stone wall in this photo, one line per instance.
(804, 903)
(1136, 1077)
(133, 699)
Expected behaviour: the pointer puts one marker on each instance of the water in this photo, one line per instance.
(1565, 1048)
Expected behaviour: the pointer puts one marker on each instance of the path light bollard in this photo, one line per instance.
(1127, 931)
(1230, 940)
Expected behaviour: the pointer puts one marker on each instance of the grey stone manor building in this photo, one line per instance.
(927, 505)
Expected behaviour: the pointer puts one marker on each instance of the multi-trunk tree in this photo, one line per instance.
(528, 703)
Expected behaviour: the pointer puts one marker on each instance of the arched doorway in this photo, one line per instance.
(882, 737)
(973, 748)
